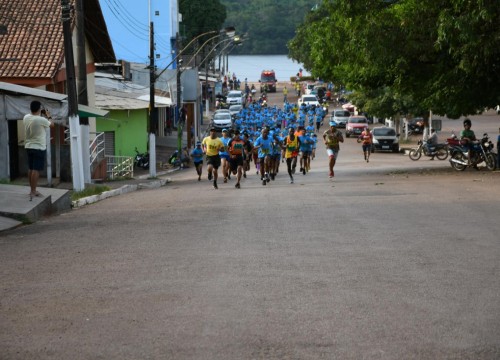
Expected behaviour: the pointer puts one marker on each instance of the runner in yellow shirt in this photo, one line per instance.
(211, 146)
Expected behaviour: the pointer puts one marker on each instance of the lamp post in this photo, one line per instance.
(230, 32)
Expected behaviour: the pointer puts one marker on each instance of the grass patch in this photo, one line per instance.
(4, 181)
(119, 178)
(92, 190)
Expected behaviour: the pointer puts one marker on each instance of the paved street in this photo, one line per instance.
(393, 259)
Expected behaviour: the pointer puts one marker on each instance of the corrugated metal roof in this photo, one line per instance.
(116, 94)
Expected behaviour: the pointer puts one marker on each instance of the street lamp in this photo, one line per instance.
(230, 32)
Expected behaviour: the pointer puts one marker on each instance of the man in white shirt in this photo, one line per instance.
(35, 124)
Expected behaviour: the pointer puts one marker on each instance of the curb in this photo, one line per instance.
(115, 192)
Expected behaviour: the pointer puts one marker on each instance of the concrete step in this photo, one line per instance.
(15, 203)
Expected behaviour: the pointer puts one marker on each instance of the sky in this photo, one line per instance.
(128, 27)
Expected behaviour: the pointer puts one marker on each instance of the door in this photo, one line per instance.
(13, 150)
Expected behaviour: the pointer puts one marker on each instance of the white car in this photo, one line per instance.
(235, 97)
(308, 100)
(385, 138)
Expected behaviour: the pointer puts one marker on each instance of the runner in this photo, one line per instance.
(366, 142)
(236, 149)
(211, 146)
(291, 146)
(197, 155)
(247, 158)
(332, 137)
(264, 146)
(275, 155)
(224, 155)
(305, 150)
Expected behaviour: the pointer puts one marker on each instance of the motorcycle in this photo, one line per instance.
(141, 160)
(482, 151)
(439, 150)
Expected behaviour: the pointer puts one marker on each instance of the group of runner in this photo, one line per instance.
(267, 136)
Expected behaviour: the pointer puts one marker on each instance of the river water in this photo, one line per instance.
(250, 66)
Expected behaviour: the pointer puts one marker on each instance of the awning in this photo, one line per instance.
(87, 111)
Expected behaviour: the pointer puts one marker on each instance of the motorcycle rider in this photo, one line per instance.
(467, 138)
(431, 143)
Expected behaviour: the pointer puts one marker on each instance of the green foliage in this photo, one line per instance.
(268, 25)
(406, 55)
(200, 16)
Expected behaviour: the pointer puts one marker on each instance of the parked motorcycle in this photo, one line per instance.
(439, 150)
(141, 160)
(482, 151)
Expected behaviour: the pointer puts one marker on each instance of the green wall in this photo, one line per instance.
(130, 128)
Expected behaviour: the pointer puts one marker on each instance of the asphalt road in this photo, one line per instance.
(393, 259)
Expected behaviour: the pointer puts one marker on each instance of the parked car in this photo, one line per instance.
(355, 125)
(222, 119)
(340, 116)
(235, 110)
(235, 97)
(308, 100)
(385, 138)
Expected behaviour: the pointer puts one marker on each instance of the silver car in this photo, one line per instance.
(340, 116)
(222, 119)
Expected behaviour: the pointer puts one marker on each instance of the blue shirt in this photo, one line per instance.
(197, 154)
(266, 146)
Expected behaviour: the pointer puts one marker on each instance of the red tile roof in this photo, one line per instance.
(32, 46)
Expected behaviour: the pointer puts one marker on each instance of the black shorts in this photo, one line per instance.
(235, 162)
(196, 163)
(214, 161)
(36, 159)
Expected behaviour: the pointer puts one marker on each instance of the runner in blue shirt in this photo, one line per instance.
(197, 155)
(224, 155)
(305, 149)
(264, 144)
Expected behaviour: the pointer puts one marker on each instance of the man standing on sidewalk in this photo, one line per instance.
(36, 142)
(332, 137)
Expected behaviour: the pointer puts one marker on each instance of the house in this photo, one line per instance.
(126, 127)
(32, 55)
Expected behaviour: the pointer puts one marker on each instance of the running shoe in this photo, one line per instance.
(199, 177)
(291, 179)
(267, 177)
(225, 180)
(209, 176)
(303, 171)
(215, 185)
(237, 186)
(245, 175)
(331, 174)
(264, 182)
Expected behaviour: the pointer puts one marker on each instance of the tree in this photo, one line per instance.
(442, 55)
(200, 16)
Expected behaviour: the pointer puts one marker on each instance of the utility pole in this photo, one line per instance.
(153, 114)
(74, 121)
(82, 88)
(179, 98)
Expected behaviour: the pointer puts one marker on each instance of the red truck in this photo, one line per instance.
(267, 81)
